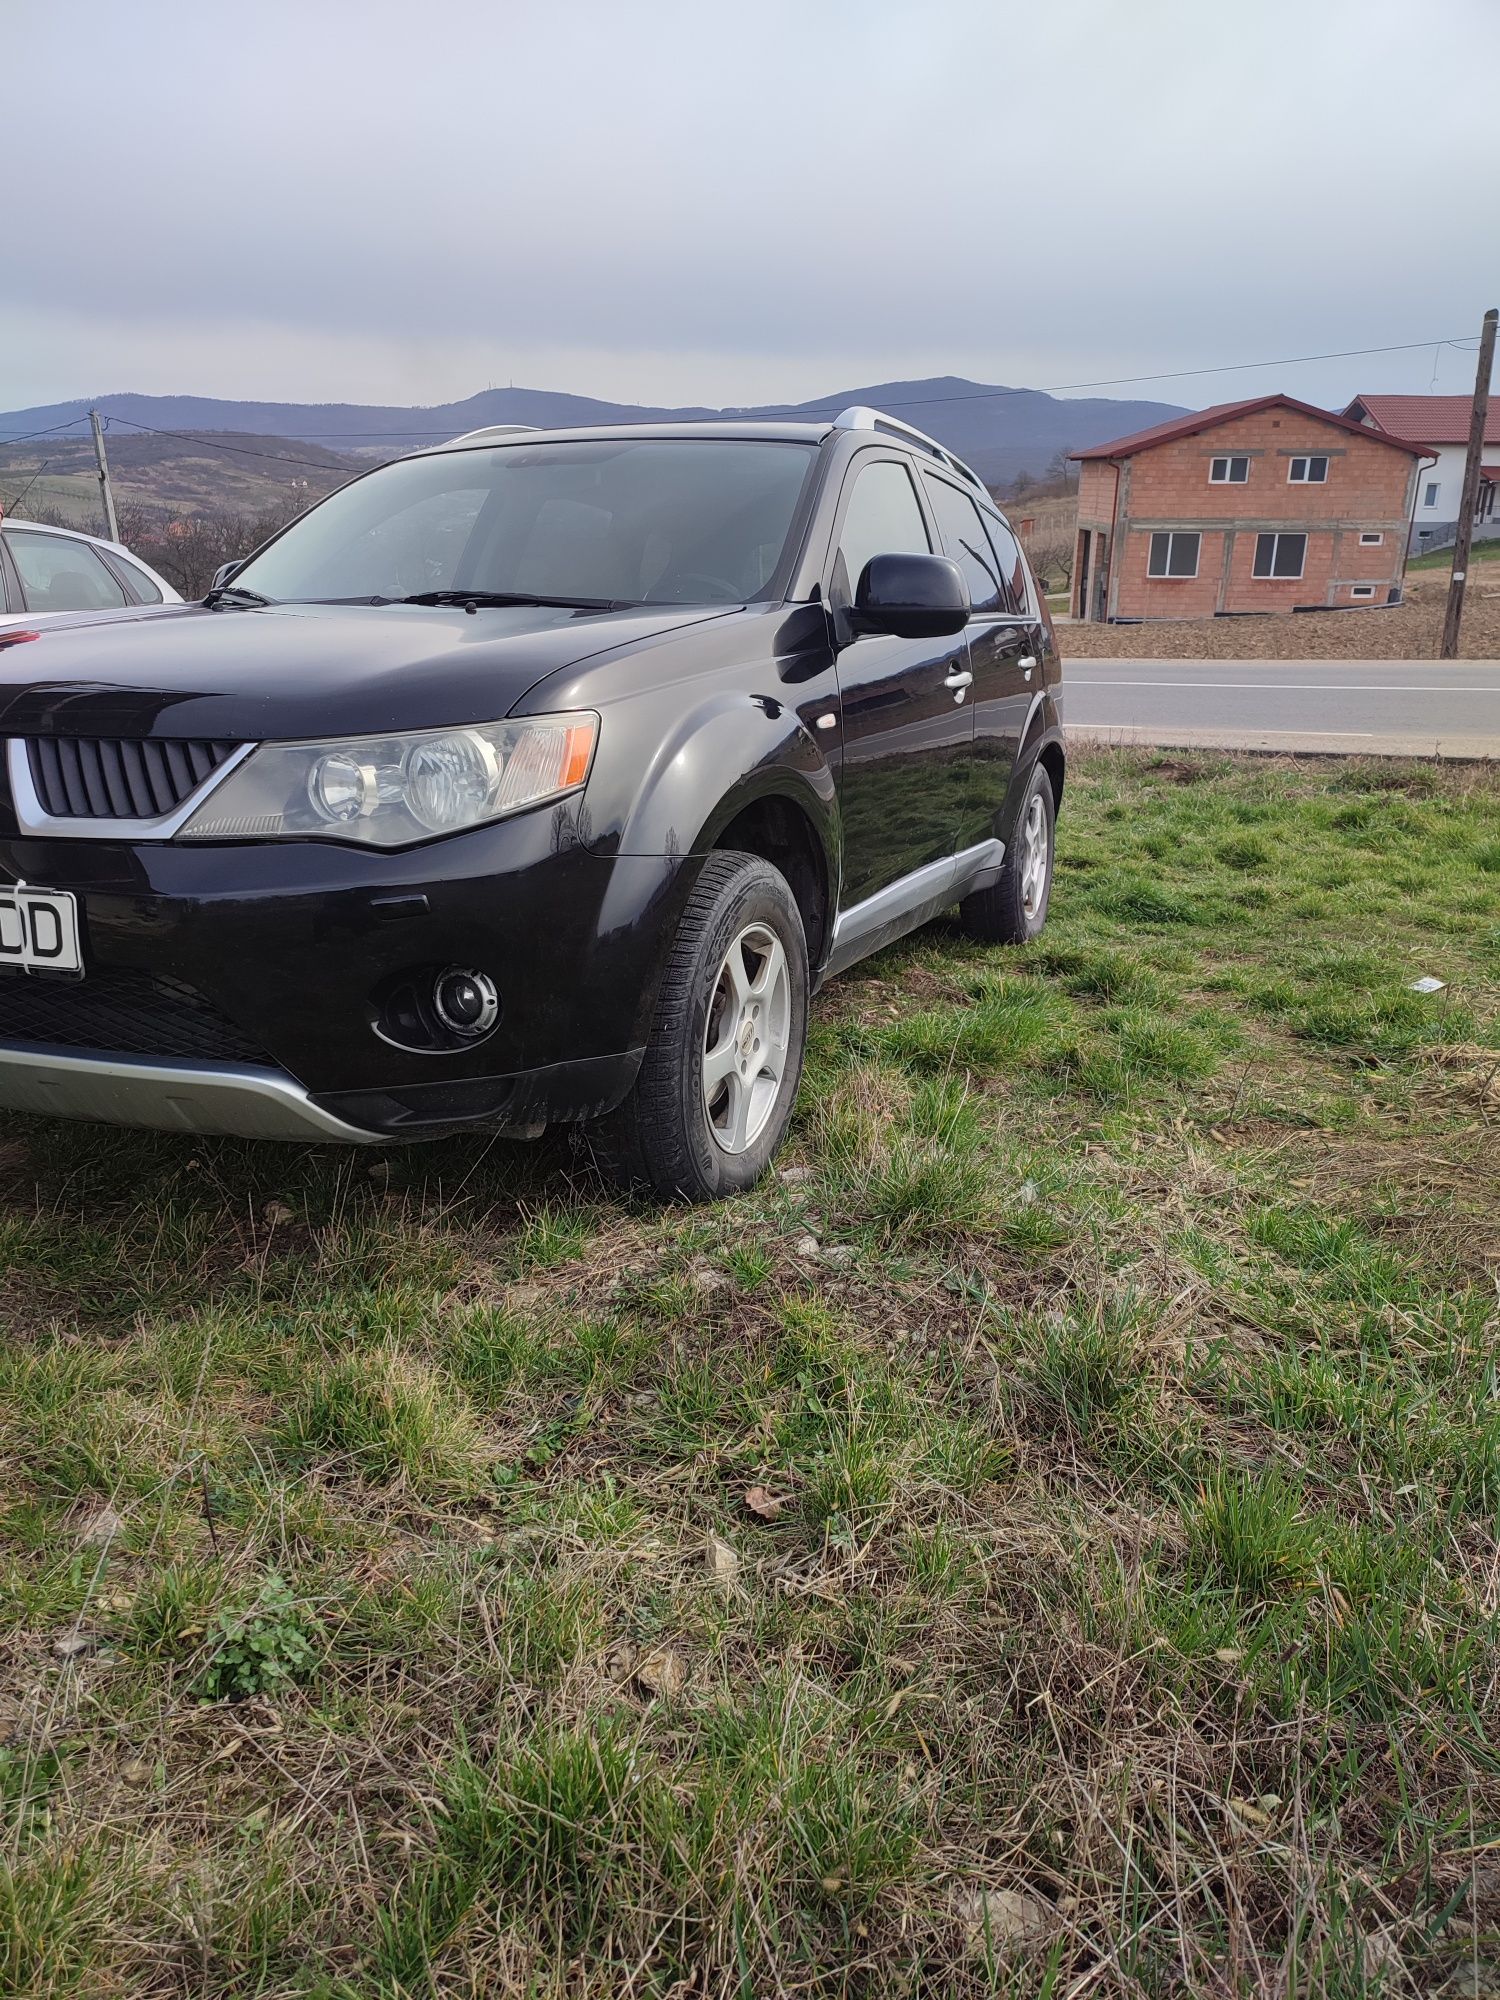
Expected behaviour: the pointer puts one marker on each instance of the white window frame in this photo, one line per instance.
(1277, 536)
(1305, 459)
(1229, 460)
(1430, 497)
(1367, 541)
(1361, 590)
(1170, 575)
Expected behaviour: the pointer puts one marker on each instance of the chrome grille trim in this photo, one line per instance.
(33, 817)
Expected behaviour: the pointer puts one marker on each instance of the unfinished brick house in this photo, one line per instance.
(1266, 505)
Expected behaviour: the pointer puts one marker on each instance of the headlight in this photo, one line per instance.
(389, 791)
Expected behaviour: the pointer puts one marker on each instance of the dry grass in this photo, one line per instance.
(1409, 631)
(1043, 1542)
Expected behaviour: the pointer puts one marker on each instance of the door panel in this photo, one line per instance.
(908, 751)
(1002, 640)
(908, 735)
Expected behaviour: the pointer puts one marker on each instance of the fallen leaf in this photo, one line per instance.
(1249, 1812)
(661, 1672)
(101, 1527)
(764, 1503)
(277, 1211)
(73, 1645)
(137, 1771)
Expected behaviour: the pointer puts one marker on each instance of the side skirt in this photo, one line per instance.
(912, 901)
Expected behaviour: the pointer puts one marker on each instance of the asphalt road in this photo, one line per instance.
(1422, 708)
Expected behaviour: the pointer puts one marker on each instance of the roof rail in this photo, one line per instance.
(493, 431)
(860, 417)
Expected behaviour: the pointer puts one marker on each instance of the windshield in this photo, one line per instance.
(638, 521)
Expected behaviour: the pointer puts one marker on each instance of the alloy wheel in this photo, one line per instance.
(1034, 856)
(746, 1039)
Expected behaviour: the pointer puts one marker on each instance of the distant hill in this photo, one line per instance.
(1000, 431)
(217, 472)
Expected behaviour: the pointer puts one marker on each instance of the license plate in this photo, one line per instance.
(39, 930)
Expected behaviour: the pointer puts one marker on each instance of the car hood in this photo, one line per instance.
(290, 671)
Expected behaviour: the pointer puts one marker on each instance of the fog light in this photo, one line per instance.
(466, 1002)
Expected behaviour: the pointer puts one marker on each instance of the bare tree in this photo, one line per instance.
(1050, 555)
(187, 548)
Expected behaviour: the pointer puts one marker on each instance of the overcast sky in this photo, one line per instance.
(409, 200)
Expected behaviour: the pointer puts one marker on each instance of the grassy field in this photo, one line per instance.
(1045, 1542)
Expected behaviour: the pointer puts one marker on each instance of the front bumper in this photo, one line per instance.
(266, 962)
(267, 1104)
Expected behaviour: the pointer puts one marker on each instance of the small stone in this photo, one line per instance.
(719, 1559)
(1008, 1919)
(136, 1772)
(707, 1279)
(807, 1246)
(839, 1254)
(795, 1176)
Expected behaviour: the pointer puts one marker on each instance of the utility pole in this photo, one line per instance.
(1453, 617)
(111, 525)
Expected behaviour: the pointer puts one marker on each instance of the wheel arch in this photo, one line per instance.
(778, 828)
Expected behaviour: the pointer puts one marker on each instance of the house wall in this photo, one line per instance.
(1368, 490)
(1448, 476)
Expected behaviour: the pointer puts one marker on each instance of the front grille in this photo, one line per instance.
(117, 1011)
(118, 777)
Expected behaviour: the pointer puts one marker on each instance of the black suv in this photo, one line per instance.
(539, 777)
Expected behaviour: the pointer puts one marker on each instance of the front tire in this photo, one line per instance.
(1014, 910)
(719, 1077)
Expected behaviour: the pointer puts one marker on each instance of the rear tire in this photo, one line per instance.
(716, 1086)
(1014, 910)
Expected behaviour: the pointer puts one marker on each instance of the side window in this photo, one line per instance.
(62, 575)
(1012, 566)
(142, 587)
(881, 519)
(965, 540)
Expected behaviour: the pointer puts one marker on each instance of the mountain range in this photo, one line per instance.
(1000, 431)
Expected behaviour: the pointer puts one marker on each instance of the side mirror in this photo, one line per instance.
(224, 572)
(911, 597)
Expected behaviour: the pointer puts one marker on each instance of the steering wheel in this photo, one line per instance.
(726, 591)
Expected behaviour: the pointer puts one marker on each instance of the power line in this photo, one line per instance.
(26, 436)
(243, 451)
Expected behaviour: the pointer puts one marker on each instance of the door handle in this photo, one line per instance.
(958, 677)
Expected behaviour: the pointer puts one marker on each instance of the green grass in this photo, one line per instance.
(1075, 1478)
(1485, 551)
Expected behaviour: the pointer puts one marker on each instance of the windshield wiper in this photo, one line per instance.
(491, 598)
(234, 593)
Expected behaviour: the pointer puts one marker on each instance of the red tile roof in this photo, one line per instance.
(1427, 419)
(1203, 420)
